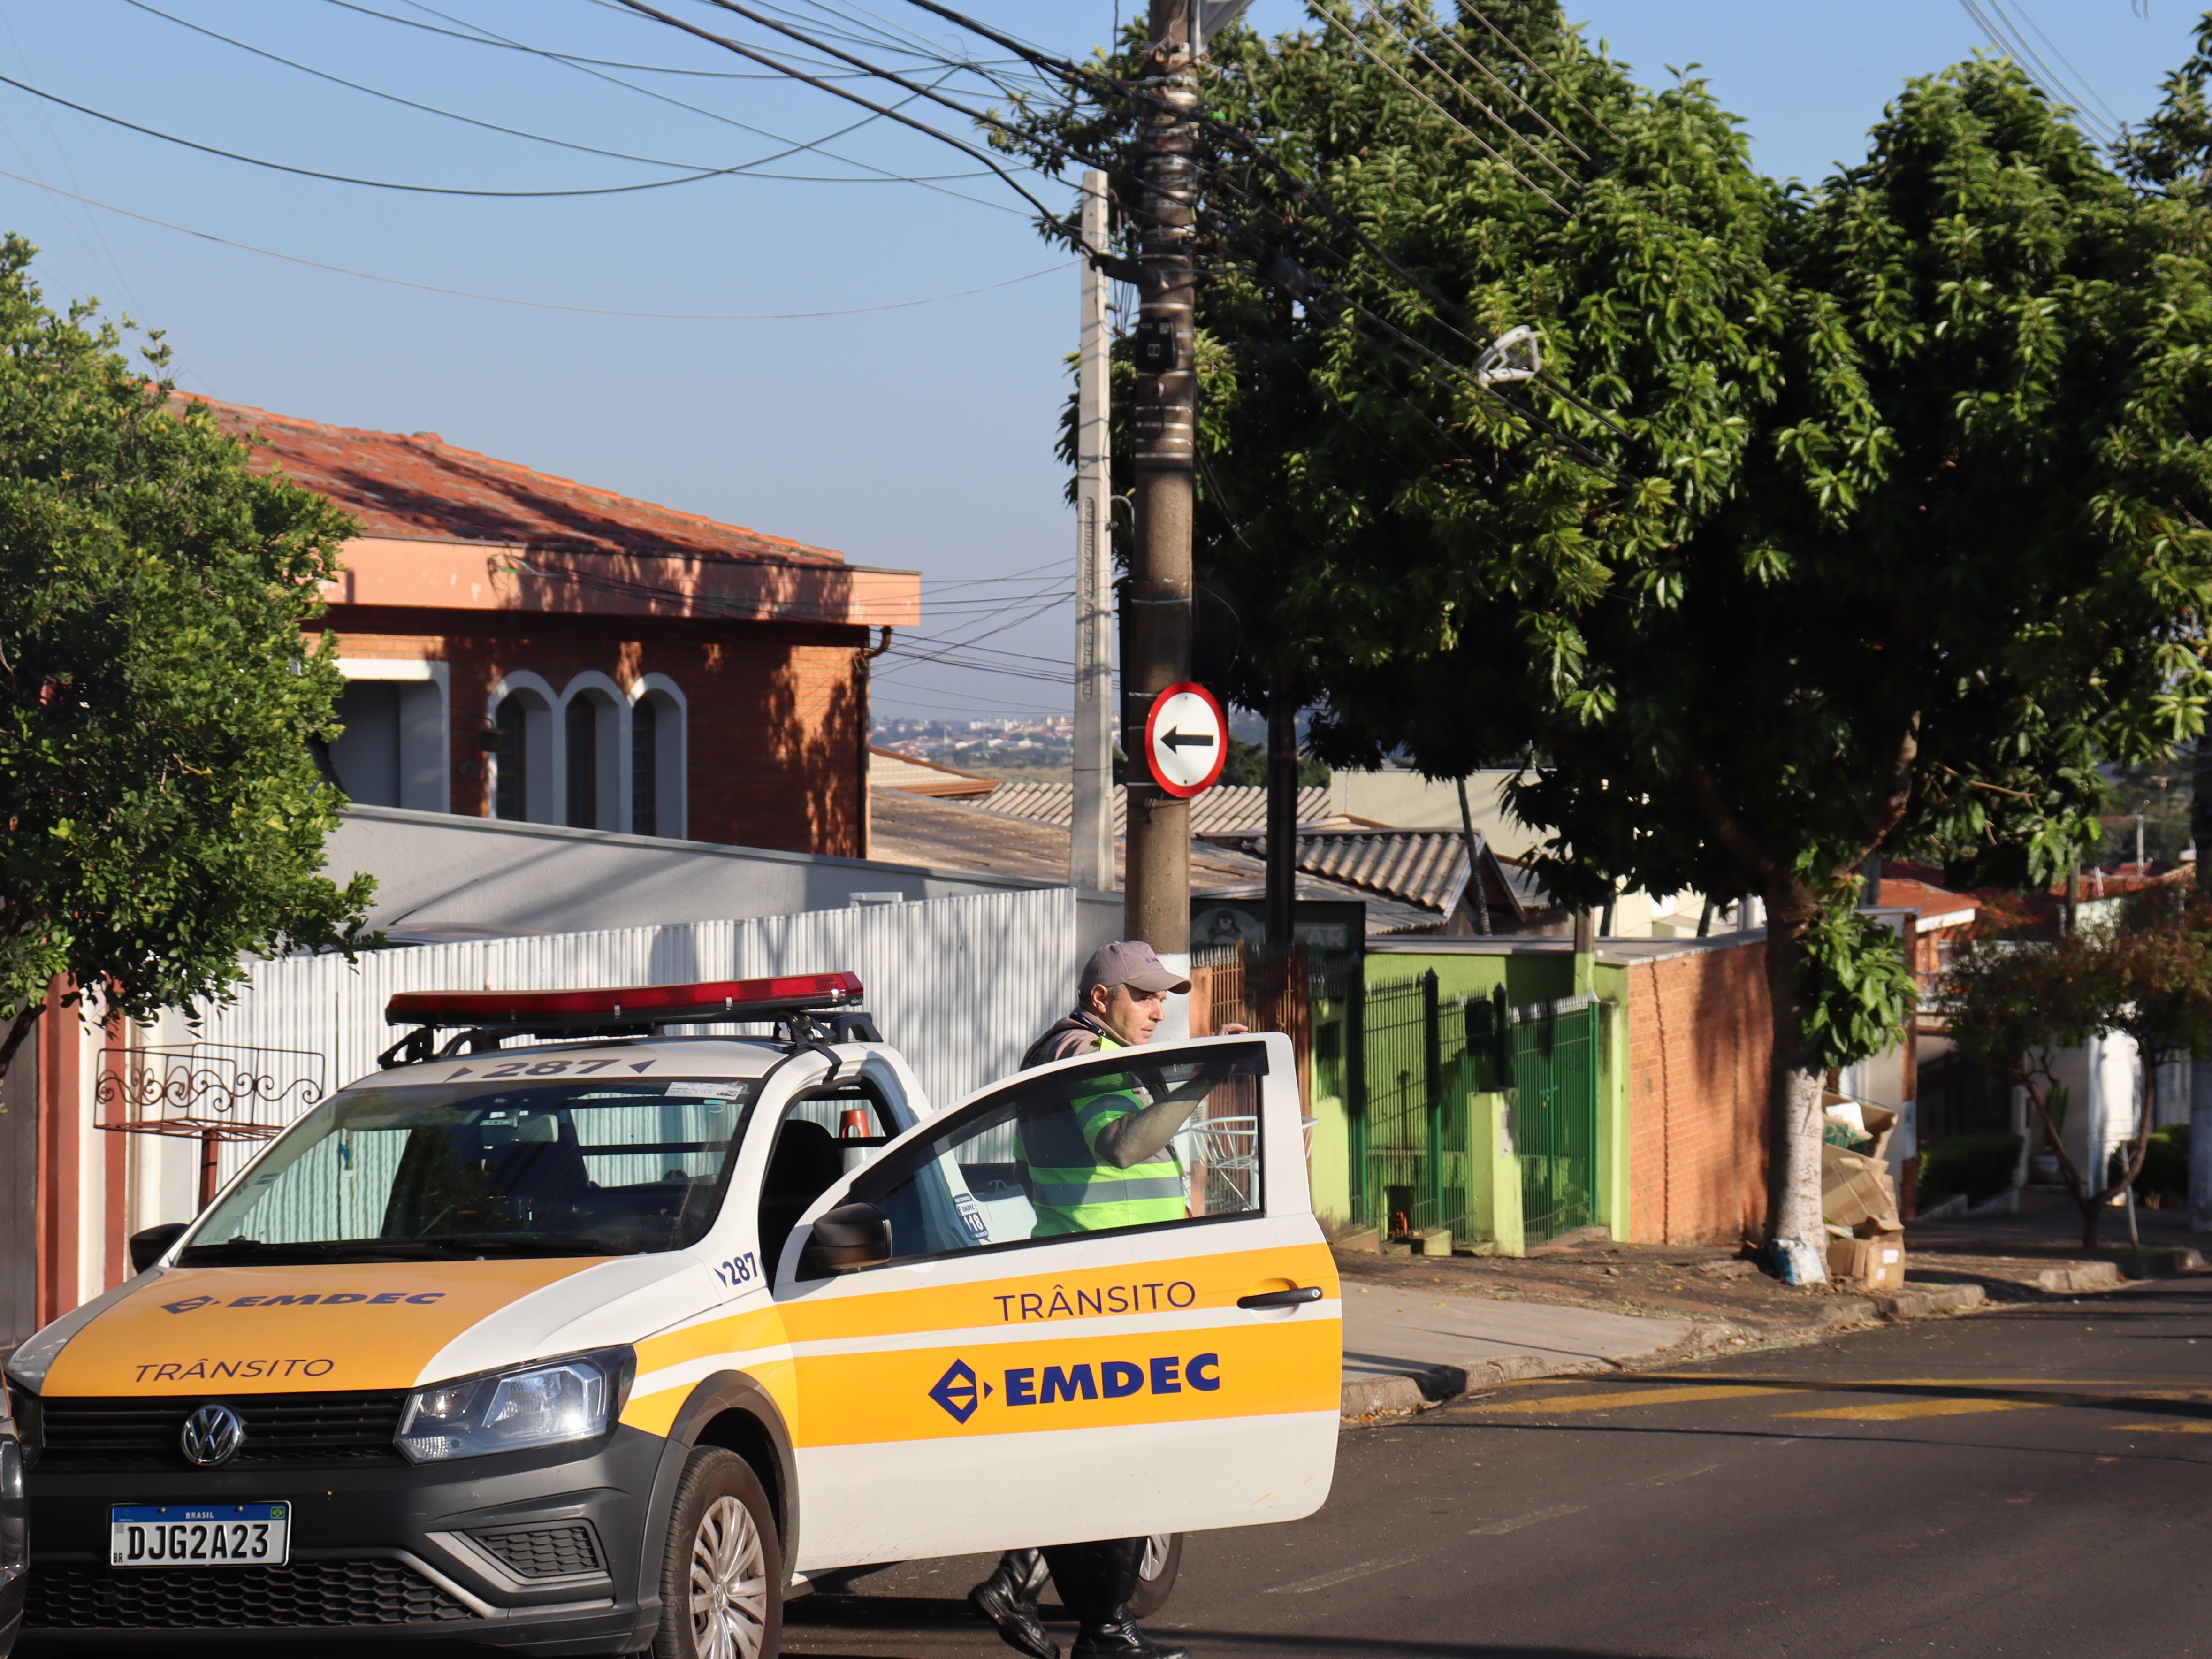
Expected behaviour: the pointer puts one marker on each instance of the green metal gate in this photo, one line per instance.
(1555, 1119)
(1420, 1056)
(1410, 1141)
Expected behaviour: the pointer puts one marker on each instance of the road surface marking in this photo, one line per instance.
(1897, 1409)
(2166, 1428)
(1341, 1575)
(1495, 1527)
(1619, 1399)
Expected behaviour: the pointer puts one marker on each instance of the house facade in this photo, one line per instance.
(521, 645)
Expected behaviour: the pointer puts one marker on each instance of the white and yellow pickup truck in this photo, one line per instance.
(577, 1335)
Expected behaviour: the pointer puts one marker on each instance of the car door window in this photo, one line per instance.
(1105, 1147)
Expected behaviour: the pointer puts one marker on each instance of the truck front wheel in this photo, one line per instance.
(722, 1578)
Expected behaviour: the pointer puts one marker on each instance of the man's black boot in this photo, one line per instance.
(1008, 1600)
(1120, 1638)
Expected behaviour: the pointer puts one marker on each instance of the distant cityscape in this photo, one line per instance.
(1037, 746)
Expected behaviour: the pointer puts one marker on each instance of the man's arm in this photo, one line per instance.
(1141, 1136)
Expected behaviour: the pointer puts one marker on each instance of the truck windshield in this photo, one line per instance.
(566, 1168)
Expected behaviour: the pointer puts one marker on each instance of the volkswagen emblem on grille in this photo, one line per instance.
(212, 1435)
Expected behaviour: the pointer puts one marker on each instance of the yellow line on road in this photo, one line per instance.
(1629, 1399)
(2166, 1428)
(1897, 1409)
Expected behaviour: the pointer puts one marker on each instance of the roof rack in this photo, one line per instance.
(796, 1004)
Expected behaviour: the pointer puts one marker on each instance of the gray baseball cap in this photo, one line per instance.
(1133, 962)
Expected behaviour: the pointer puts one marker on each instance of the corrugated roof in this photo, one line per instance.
(417, 486)
(1224, 810)
(889, 770)
(1425, 867)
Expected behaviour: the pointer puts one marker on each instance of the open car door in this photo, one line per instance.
(1044, 1357)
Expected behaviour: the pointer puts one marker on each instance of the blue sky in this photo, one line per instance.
(917, 437)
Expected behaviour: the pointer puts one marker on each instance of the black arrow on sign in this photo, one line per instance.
(1180, 739)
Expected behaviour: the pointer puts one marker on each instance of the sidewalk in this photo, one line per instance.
(1405, 1347)
(1419, 1330)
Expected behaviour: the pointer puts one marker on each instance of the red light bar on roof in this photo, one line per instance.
(714, 1001)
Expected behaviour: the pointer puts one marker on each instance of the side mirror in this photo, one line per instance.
(850, 1236)
(151, 1246)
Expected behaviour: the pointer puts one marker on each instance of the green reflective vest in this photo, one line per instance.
(1073, 1189)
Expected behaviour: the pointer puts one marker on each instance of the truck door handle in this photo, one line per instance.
(1297, 1296)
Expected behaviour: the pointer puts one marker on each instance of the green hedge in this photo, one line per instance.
(1980, 1166)
(2166, 1163)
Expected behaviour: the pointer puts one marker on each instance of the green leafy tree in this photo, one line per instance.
(158, 695)
(1248, 765)
(2018, 1008)
(1895, 525)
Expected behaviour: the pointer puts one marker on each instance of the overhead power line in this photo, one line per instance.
(483, 40)
(344, 179)
(533, 305)
(815, 80)
(471, 121)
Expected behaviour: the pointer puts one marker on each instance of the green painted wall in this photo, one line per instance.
(1329, 1164)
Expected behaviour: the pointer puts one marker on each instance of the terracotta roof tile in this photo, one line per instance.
(416, 486)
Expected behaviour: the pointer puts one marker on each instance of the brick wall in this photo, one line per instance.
(778, 716)
(1698, 1030)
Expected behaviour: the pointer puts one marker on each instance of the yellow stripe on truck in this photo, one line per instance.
(1075, 1382)
(281, 1330)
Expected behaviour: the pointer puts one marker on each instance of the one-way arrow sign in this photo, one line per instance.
(1183, 736)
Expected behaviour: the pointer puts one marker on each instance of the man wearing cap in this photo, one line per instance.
(1104, 1162)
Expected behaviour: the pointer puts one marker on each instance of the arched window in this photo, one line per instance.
(594, 745)
(658, 769)
(524, 776)
(583, 765)
(510, 783)
(644, 753)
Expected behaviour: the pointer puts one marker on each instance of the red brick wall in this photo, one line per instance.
(1699, 1031)
(778, 715)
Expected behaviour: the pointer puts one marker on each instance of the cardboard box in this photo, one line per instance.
(1877, 1262)
(1856, 1190)
(1878, 1121)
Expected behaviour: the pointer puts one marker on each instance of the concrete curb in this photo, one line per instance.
(1369, 1398)
(1918, 1301)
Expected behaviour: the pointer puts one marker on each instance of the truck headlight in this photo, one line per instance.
(538, 1405)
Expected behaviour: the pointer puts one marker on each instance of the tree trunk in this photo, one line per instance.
(1794, 1169)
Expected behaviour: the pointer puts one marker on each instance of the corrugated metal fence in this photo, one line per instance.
(959, 986)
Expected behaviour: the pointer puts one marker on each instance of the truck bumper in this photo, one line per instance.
(551, 1552)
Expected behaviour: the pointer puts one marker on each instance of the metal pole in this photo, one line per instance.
(1157, 652)
(1090, 845)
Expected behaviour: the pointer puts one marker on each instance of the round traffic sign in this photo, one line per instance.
(1186, 736)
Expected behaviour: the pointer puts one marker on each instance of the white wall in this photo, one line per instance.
(434, 870)
(960, 986)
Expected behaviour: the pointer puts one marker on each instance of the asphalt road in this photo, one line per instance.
(2029, 1481)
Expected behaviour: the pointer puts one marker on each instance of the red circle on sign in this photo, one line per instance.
(1220, 737)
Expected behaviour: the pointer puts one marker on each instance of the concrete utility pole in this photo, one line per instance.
(1090, 845)
(1156, 654)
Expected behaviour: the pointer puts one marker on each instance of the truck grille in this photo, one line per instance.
(544, 1552)
(280, 1429)
(304, 1594)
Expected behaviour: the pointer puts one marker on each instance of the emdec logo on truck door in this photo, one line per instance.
(959, 1391)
